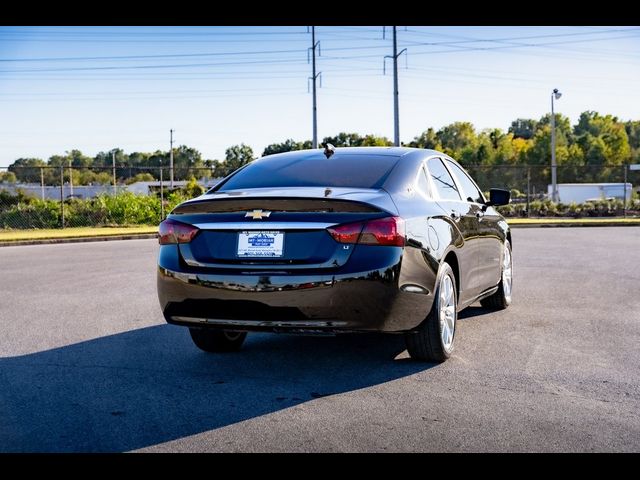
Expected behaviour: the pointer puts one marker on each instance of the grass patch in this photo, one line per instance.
(78, 232)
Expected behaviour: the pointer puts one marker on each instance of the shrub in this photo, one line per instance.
(84, 213)
(129, 209)
(140, 177)
(36, 214)
(193, 188)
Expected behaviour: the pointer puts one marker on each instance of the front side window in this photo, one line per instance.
(445, 186)
(470, 192)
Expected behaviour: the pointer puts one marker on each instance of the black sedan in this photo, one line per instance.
(395, 240)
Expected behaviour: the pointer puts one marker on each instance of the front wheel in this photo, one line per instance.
(433, 339)
(217, 340)
(502, 298)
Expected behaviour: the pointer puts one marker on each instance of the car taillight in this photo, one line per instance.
(382, 231)
(171, 231)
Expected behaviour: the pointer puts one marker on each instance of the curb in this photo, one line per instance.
(47, 241)
(566, 225)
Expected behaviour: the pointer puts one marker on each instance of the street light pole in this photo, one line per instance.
(554, 185)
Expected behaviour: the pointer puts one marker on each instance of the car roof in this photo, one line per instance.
(348, 151)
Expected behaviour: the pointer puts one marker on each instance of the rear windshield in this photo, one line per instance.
(357, 171)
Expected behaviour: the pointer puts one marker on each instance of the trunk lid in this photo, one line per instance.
(288, 225)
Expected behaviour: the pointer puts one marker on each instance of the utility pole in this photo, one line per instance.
(171, 159)
(313, 78)
(113, 163)
(396, 112)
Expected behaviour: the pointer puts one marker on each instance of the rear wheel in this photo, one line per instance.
(502, 298)
(433, 339)
(217, 340)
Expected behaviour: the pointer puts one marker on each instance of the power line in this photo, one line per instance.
(122, 33)
(176, 55)
(134, 67)
(136, 57)
(527, 37)
(463, 40)
(457, 47)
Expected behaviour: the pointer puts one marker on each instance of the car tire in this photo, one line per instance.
(214, 341)
(502, 298)
(432, 341)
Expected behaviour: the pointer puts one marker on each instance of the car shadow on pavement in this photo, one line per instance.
(472, 312)
(144, 387)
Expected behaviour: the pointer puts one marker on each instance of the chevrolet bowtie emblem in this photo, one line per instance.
(258, 214)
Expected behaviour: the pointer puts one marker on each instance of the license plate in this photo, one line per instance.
(264, 243)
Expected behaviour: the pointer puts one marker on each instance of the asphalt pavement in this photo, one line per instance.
(88, 364)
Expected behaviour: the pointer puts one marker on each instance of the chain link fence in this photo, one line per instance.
(614, 191)
(63, 197)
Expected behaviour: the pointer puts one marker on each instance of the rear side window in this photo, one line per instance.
(442, 180)
(423, 182)
(469, 190)
(358, 171)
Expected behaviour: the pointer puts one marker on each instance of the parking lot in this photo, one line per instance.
(87, 363)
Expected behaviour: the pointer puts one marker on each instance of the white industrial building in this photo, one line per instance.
(587, 192)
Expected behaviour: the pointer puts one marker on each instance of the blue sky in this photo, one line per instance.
(96, 88)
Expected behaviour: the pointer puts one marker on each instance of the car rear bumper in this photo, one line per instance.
(370, 300)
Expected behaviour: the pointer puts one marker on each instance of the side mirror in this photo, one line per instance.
(498, 196)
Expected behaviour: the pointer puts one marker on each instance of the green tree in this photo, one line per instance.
(344, 139)
(78, 159)
(564, 132)
(523, 128)
(614, 148)
(633, 133)
(7, 177)
(570, 164)
(158, 159)
(103, 162)
(236, 156)
(219, 169)
(27, 169)
(90, 177)
(459, 140)
(187, 161)
(140, 177)
(505, 150)
(286, 146)
(427, 139)
(375, 141)
(632, 128)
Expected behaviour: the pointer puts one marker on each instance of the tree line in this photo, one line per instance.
(590, 150)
